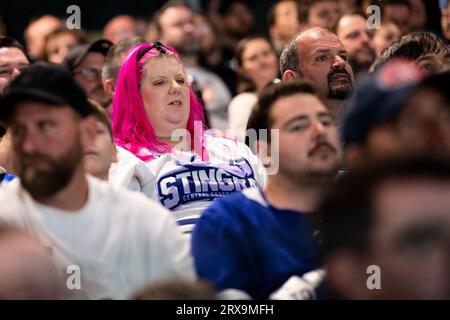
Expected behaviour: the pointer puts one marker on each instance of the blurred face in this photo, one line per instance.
(59, 46)
(88, 74)
(259, 62)
(418, 15)
(12, 61)
(410, 241)
(47, 143)
(308, 140)
(120, 28)
(286, 20)
(354, 35)
(98, 158)
(424, 123)
(400, 15)
(177, 27)
(324, 14)
(239, 20)
(324, 61)
(37, 31)
(383, 37)
(165, 93)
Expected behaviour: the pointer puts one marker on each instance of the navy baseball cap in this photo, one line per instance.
(45, 82)
(379, 97)
(77, 54)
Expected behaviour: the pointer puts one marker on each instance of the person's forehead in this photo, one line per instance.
(404, 199)
(12, 54)
(175, 14)
(162, 65)
(349, 22)
(318, 39)
(285, 6)
(35, 109)
(321, 4)
(289, 107)
(255, 45)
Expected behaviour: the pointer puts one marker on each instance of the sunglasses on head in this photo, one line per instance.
(156, 45)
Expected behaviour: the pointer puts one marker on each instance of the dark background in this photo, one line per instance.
(95, 13)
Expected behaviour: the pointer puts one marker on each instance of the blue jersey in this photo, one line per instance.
(244, 243)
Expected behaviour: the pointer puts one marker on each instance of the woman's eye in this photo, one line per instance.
(158, 83)
(181, 81)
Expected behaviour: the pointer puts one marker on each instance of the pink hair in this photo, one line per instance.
(131, 127)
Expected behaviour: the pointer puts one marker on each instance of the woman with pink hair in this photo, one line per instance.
(157, 117)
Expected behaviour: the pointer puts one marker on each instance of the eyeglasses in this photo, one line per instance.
(90, 73)
(156, 45)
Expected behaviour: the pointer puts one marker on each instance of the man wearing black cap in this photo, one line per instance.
(85, 62)
(117, 247)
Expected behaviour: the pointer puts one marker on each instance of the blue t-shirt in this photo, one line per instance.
(244, 243)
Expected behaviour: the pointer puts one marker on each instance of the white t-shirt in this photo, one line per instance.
(130, 172)
(186, 185)
(239, 112)
(120, 240)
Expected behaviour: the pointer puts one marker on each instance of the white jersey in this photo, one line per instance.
(186, 185)
(130, 172)
(120, 241)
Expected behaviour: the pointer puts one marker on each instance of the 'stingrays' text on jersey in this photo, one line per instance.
(204, 181)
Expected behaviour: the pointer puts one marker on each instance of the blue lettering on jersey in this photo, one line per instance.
(204, 181)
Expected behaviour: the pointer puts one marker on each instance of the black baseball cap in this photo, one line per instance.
(77, 54)
(45, 82)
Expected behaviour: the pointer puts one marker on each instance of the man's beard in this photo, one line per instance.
(44, 183)
(341, 92)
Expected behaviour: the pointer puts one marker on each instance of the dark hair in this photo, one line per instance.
(244, 83)
(438, 83)
(7, 42)
(412, 46)
(346, 214)
(225, 6)
(289, 56)
(260, 117)
(114, 59)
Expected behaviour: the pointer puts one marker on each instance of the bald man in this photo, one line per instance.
(318, 55)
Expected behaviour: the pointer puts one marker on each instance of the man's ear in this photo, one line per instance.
(346, 274)
(108, 86)
(88, 128)
(262, 150)
(290, 75)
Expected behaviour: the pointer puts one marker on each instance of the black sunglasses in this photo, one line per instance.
(157, 45)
